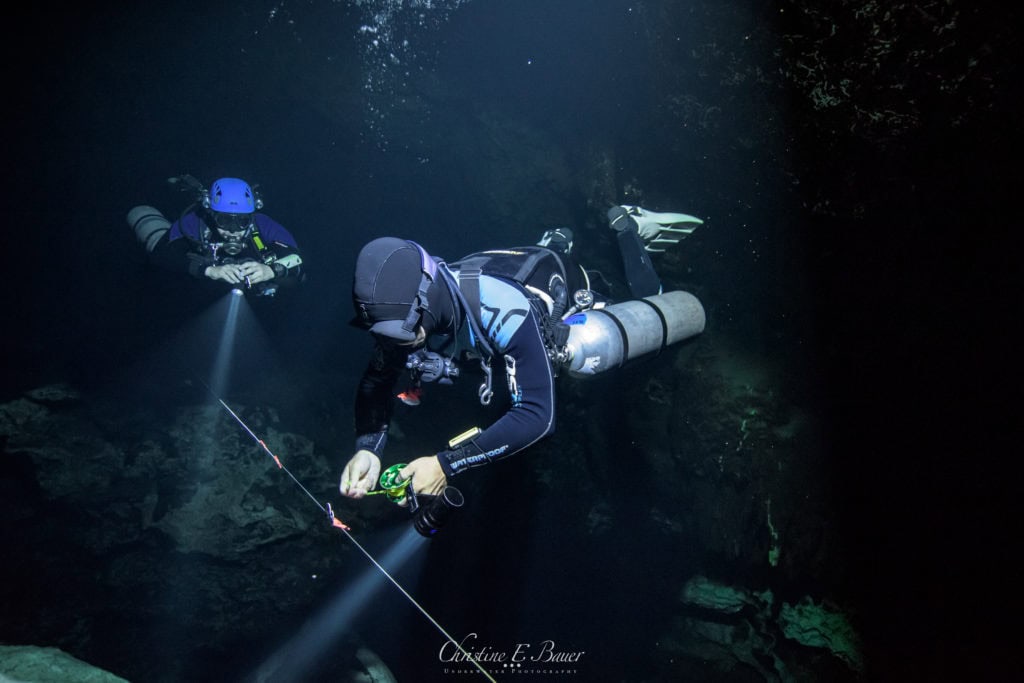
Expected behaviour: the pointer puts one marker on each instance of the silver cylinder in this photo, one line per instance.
(148, 224)
(607, 338)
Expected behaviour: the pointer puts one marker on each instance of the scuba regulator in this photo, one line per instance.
(430, 366)
(233, 244)
(427, 366)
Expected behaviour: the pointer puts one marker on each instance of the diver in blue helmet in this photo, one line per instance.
(221, 236)
(508, 310)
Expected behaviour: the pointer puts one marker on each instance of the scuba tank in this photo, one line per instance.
(580, 334)
(604, 338)
(148, 224)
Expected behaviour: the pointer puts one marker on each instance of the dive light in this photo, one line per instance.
(430, 516)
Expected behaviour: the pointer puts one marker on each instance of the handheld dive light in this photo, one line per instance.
(433, 514)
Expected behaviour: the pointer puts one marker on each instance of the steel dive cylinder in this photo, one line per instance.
(606, 338)
(148, 224)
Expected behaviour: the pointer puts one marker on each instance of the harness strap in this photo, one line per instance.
(468, 285)
(428, 272)
(549, 306)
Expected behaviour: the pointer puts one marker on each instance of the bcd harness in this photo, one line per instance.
(542, 274)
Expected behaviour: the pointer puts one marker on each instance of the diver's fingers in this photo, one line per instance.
(251, 269)
(353, 489)
(346, 481)
(407, 473)
(253, 276)
(369, 480)
(353, 478)
(360, 474)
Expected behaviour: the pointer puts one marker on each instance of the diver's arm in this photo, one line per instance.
(374, 402)
(176, 255)
(532, 415)
(176, 251)
(286, 266)
(373, 408)
(272, 231)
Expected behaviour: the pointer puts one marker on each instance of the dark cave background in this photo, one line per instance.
(855, 165)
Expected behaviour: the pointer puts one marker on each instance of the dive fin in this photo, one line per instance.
(659, 230)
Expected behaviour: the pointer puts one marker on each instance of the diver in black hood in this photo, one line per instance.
(405, 299)
(506, 308)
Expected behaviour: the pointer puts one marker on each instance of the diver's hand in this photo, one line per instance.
(360, 474)
(256, 271)
(230, 273)
(427, 475)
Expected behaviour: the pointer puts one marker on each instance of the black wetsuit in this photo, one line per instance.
(512, 322)
(184, 248)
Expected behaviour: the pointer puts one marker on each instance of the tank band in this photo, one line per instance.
(622, 333)
(664, 325)
(146, 217)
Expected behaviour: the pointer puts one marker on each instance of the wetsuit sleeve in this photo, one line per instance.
(273, 231)
(287, 263)
(175, 251)
(532, 414)
(375, 398)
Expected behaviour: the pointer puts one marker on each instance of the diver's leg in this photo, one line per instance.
(558, 240)
(640, 274)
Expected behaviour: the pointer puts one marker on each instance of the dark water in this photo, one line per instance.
(858, 265)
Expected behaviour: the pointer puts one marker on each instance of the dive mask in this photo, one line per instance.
(232, 222)
(233, 229)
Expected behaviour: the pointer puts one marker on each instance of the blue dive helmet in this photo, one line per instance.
(233, 195)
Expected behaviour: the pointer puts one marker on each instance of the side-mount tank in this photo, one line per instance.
(606, 338)
(148, 224)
